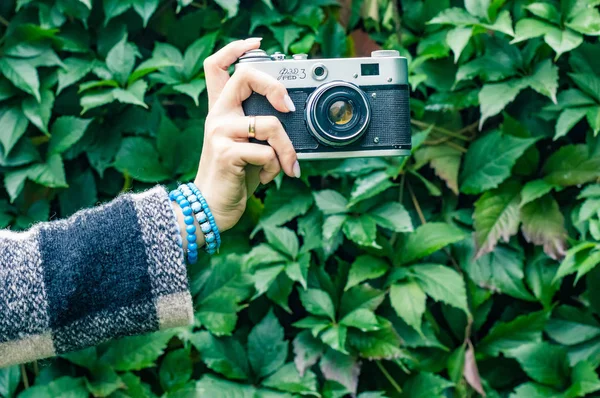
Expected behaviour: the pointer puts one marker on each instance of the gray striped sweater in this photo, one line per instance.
(106, 272)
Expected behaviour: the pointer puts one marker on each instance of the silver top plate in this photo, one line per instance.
(299, 73)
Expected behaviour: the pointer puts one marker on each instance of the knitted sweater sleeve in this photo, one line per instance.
(111, 271)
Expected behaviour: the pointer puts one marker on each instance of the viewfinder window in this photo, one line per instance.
(369, 69)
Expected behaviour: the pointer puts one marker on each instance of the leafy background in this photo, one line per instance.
(467, 268)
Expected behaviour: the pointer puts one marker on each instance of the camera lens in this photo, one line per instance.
(340, 112)
(337, 113)
(319, 71)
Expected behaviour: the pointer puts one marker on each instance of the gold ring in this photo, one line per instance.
(252, 127)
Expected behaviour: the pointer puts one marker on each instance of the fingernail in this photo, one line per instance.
(296, 169)
(289, 103)
(254, 39)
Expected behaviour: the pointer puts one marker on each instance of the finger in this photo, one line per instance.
(247, 80)
(257, 155)
(269, 129)
(216, 66)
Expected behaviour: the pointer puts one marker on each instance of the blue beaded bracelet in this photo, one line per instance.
(206, 220)
(181, 197)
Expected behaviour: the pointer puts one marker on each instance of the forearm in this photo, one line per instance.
(106, 272)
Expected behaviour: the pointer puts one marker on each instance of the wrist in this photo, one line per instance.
(212, 201)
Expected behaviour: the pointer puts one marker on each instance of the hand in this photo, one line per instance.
(230, 166)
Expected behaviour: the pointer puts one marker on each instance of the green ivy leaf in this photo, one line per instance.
(332, 37)
(267, 349)
(192, 89)
(104, 381)
(368, 186)
(284, 204)
(429, 238)
(39, 113)
(195, 55)
(581, 258)
(113, 8)
(587, 21)
(331, 202)
(10, 378)
(365, 267)
(262, 15)
(490, 160)
(545, 11)
(175, 369)
(14, 124)
(544, 362)
(120, 60)
(335, 337)
(457, 39)
(50, 174)
(62, 386)
(499, 271)
(534, 190)
(341, 368)
(530, 389)
(442, 284)
(145, 9)
(393, 216)
(454, 16)
(317, 302)
(444, 160)
(426, 385)
(478, 8)
(505, 337)
(286, 35)
(133, 95)
(66, 131)
(137, 352)
(571, 165)
(22, 74)
(139, 158)
(224, 355)
(584, 380)
(545, 79)
(307, 351)
(361, 230)
(360, 296)
(283, 239)
(543, 224)
(362, 319)
(289, 380)
(231, 6)
(298, 270)
(408, 300)
(496, 217)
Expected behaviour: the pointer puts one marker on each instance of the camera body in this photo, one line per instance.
(357, 107)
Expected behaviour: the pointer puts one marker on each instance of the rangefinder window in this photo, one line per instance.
(369, 69)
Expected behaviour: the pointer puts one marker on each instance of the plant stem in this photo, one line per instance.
(39, 140)
(127, 184)
(3, 21)
(397, 21)
(440, 130)
(456, 146)
(471, 127)
(388, 376)
(416, 203)
(24, 376)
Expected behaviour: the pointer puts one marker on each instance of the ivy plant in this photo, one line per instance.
(470, 267)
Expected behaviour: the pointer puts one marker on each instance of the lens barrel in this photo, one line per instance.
(337, 113)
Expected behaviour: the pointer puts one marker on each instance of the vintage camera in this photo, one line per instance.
(356, 107)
